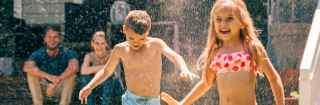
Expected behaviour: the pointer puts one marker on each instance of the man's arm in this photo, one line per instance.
(71, 70)
(30, 67)
(86, 69)
(266, 66)
(107, 70)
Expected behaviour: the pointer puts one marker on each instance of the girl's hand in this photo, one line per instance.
(84, 93)
(168, 99)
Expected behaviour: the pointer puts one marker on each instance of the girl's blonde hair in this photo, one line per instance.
(99, 34)
(248, 34)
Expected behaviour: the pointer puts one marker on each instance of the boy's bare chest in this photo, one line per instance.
(143, 53)
(142, 57)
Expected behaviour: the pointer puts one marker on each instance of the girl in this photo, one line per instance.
(232, 59)
(110, 92)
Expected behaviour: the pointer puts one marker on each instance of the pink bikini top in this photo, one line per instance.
(234, 62)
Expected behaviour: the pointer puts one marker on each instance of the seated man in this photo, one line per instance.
(54, 67)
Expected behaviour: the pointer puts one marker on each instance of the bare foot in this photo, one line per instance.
(51, 89)
(168, 99)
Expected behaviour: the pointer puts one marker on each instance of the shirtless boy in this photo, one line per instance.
(141, 57)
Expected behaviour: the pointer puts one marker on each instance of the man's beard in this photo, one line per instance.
(53, 48)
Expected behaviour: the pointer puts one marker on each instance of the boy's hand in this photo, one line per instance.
(187, 75)
(168, 99)
(84, 93)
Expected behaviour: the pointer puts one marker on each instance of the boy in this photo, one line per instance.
(141, 57)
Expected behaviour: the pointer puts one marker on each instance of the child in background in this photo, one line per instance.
(110, 92)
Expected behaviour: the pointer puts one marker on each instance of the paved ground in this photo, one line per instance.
(14, 91)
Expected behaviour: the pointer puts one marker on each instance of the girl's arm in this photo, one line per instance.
(267, 68)
(208, 78)
(86, 69)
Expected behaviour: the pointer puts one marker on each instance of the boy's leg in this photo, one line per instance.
(67, 90)
(35, 89)
(130, 99)
(126, 99)
(153, 101)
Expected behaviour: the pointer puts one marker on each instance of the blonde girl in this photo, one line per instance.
(232, 59)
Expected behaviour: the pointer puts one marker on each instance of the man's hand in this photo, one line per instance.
(51, 89)
(84, 93)
(53, 79)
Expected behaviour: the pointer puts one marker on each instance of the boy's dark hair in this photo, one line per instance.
(139, 21)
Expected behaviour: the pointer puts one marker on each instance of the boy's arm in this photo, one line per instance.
(107, 70)
(86, 69)
(274, 79)
(175, 58)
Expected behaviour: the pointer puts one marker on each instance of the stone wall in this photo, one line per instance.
(289, 26)
(288, 41)
(42, 11)
(291, 11)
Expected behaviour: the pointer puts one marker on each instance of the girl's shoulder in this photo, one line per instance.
(89, 55)
(255, 46)
(258, 52)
